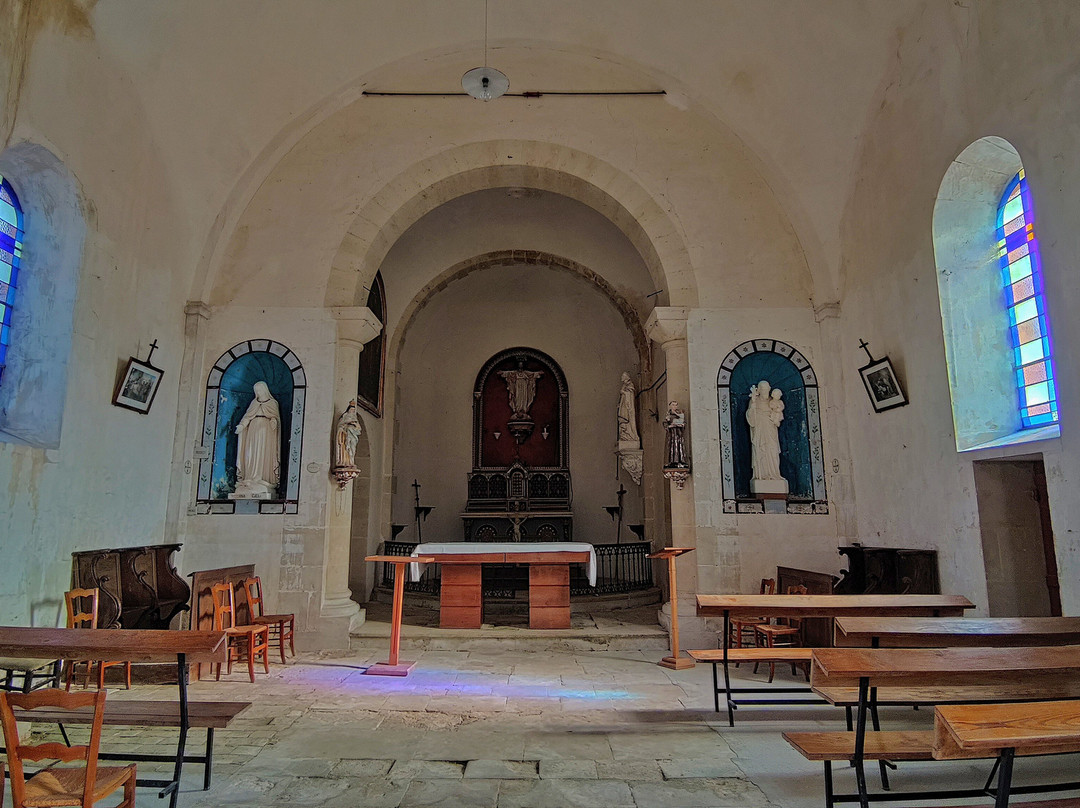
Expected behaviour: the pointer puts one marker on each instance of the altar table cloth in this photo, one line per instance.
(510, 548)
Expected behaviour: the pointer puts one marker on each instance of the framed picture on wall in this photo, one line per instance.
(882, 385)
(138, 386)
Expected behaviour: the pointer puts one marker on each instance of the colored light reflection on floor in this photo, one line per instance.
(451, 682)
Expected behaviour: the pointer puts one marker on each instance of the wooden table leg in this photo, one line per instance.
(549, 596)
(461, 600)
(394, 666)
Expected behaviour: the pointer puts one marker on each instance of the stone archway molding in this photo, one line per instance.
(512, 163)
(508, 258)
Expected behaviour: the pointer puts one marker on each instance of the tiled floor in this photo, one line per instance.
(481, 728)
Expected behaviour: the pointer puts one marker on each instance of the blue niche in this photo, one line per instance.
(801, 457)
(229, 392)
(781, 374)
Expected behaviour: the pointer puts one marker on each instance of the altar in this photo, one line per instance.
(461, 602)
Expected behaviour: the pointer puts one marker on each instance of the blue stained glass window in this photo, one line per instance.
(1028, 324)
(11, 234)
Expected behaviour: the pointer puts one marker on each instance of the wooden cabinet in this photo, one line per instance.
(888, 571)
(138, 586)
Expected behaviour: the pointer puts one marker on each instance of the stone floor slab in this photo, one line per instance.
(502, 770)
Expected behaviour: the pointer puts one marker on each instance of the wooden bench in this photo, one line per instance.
(1007, 730)
(946, 674)
(803, 606)
(209, 715)
(786, 655)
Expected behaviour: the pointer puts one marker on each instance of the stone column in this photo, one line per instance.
(187, 440)
(667, 327)
(356, 326)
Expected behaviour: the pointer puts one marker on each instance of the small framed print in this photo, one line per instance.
(882, 385)
(138, 386)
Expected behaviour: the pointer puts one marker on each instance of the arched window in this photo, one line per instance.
(11, 234)
(994, 323)
(373, 358)
(1019, 254)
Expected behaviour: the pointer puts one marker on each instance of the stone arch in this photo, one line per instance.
(34, 391)
(542, 166)
(520, 258)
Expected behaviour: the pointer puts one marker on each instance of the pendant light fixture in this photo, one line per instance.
(485, 82)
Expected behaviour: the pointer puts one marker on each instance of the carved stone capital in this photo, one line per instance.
(356, 325)
(196, 308)
(667, 323)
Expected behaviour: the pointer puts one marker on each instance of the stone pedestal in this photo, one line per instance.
(769, 488)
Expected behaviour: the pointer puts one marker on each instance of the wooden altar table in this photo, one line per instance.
(132, 645)
(461, 603)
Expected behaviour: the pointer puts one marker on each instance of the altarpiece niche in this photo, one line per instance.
(748, 382)
(252, 429)
(519, 486)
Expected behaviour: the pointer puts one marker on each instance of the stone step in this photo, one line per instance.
(625, 630)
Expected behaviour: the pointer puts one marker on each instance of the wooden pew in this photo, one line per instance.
(1007, 730)
(1045, 672)
(800, 606)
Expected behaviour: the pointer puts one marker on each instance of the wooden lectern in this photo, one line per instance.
(393, 666)
(675, 662)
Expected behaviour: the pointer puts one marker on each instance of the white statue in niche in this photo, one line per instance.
(764, 415)
(627, 413)
(258, 448)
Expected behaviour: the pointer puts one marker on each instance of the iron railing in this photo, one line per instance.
(619, 568)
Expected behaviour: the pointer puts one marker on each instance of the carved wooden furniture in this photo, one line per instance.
(888, 571)
(742, 628)
(803, 606)
(88, 619)
(248, 640)
(462, 597)
(519, 487)
(179, 647)
(55, 786)
(786, 631)
(139, 586)
(394, 666)
(281, 626)
(952, 632)
(675, 661)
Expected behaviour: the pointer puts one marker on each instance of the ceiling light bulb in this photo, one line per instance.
(485, 83)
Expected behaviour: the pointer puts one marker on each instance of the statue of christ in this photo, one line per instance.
(521, 387)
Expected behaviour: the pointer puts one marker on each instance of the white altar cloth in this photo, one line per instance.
(510, 548)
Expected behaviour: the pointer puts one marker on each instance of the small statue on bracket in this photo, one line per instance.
(677, 467)
(346, 437)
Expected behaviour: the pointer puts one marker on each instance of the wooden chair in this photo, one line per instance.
(787, 630)
(251, 640)
(56, 786)
(742, 628)
(88, 619)
(281, 626)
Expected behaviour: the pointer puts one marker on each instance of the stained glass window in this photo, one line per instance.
(1018, 250)
(11, 234)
